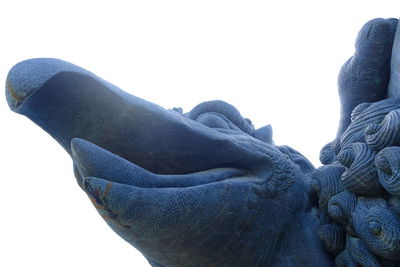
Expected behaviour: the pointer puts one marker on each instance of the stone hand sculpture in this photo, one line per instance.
(204, 188)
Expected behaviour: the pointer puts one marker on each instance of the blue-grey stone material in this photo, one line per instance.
(206, 188)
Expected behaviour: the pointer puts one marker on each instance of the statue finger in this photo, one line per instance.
(365, 76)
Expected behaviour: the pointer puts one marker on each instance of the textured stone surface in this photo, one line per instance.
(205, 188)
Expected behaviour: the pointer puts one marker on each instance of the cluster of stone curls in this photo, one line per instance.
(358, 188)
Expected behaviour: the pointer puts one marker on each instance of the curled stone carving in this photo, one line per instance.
(386, 133)
(360, 176)
(388, 163)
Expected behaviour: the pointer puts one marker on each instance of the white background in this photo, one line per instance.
(276, 61)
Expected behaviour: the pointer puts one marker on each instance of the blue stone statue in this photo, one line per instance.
(205, 188)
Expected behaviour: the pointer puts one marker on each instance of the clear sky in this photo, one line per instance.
(276, 61)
